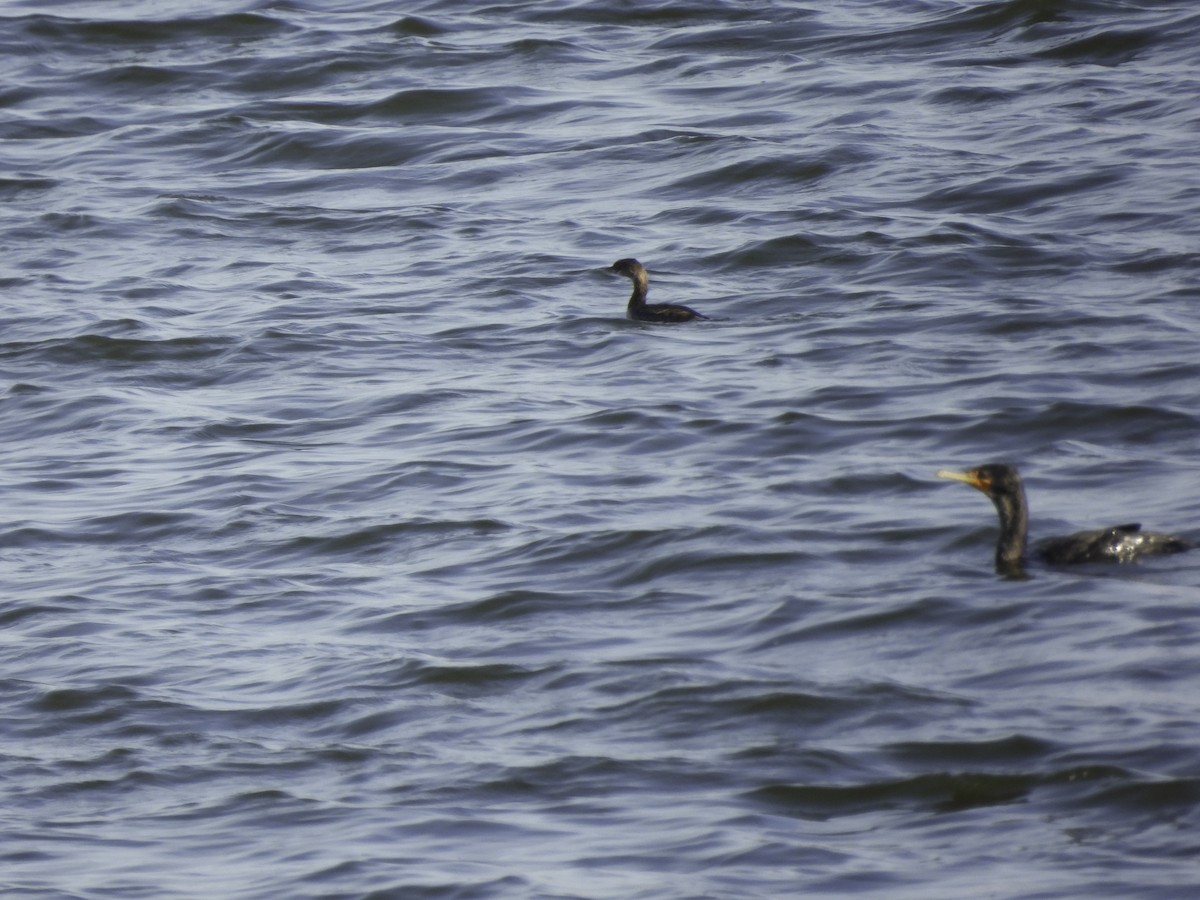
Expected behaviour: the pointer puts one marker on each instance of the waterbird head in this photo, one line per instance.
(994, 479)
(629, 267)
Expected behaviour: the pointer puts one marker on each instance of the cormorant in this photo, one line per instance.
(1119, 543)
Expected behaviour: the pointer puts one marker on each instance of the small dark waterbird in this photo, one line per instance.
(1116, 544)
(639, 309)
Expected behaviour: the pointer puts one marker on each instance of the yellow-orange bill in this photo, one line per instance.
(968, 477)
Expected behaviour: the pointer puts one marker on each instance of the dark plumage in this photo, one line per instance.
(639, 309)
(1119, 543)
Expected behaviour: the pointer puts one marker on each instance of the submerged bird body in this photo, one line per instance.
(1119, 543)
(639, 309)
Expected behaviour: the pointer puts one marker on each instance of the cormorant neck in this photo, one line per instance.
(1014, 524)
(638, 298)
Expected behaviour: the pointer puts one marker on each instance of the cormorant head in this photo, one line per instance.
(997, 480)
(1002, 484)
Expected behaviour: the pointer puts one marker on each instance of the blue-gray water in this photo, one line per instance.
(355, 545)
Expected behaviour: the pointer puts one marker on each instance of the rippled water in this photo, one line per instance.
(357, 546)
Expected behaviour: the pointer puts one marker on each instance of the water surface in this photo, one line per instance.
(356, 545)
